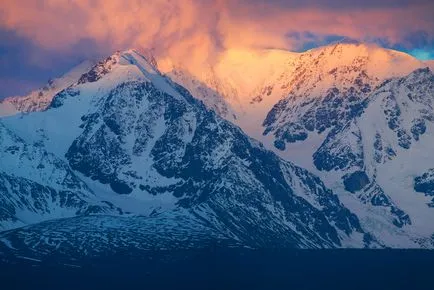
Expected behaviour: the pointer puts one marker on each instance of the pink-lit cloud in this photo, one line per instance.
(199, 29)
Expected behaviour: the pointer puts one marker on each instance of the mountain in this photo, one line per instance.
(244, 85)
(335, 77)
(145, 147)
(38, 100)
(256, 85)
(368, 140)
(236, 82)
(156, 143)
(307, 108)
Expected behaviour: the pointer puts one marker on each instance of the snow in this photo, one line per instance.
(243, 85)
(7, 108)
(397, 176)
(53, 121)
(28, 258)
(136, 203)
(149, 72)
(7, 243)
(239, 76)
(300, 153)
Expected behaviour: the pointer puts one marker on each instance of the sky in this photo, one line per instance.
(40, 39)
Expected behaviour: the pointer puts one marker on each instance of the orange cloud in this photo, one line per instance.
(197, 30)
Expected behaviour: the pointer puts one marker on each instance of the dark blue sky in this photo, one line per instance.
(25, 66)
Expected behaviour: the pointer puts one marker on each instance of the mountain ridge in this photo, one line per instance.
(39, 99)
(145, 140)
(147, 146)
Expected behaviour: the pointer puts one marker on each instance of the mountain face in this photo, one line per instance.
(396, 116)
(242, 86)
(397, 121)
(377, 151)
(136, 158)
(256, 86)
(132, 149)
(336, 91)
(202, 160)
(322, 103)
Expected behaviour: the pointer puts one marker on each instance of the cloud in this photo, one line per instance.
(363, 22)
(197, 30)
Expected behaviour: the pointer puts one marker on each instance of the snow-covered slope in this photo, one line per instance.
(241, 86)
(247, 84)
(36, 185)
(144, 144)
(397, 130)
(425, 183)
(379, 157)
(330, 87)
(72, 238)
(38, 100)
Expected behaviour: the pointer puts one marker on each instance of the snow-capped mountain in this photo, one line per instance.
(370, 142)
(145, 147)
(38, 100)
(158, 148)
(317, 101)
(331, 87)
(243, 86)
(252, 87)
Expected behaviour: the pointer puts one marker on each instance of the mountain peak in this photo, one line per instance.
(354, 49)
(242, 77)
